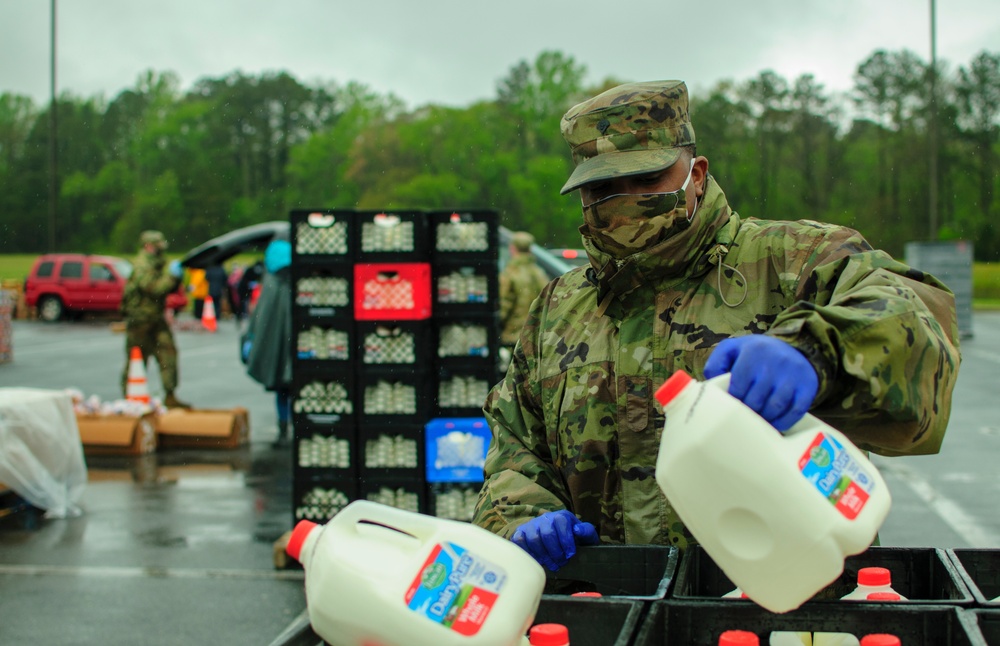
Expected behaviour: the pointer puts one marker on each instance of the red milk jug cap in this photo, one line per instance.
(676, 383)
(884, 596)
(738, 638)
(874, 576)
(294, 547)
(548, 635)
(880, 640)
(586, 594)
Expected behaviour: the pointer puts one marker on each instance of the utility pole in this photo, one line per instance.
(53, 132)
(933, 132)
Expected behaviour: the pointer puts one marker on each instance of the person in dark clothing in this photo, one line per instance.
(218, 287)
(250, 278)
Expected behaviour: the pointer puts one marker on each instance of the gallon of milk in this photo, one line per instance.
(874, 584)
(777, 512)
(380, 575)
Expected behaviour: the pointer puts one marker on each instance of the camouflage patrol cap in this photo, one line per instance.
(522, 241)
(630, 129)
(153, 237)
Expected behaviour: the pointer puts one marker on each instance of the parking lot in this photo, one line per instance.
(176, 547)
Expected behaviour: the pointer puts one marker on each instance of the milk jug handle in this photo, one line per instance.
(359, 511)
(807, 422)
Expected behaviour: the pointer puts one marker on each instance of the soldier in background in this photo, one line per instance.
(520, 282)
(144, 307)
(805, 316)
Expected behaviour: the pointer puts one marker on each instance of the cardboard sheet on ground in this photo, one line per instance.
(41, 457)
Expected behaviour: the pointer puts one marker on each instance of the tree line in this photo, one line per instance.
(242, 149)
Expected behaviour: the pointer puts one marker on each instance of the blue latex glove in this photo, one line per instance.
(175, 268)
(551, 538)
(770, 376)
(245, 351)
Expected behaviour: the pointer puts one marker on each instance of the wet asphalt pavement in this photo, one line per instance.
(171, 548)
(176, 547)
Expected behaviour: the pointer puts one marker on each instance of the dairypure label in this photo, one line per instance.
(836, 475)
(456, 588)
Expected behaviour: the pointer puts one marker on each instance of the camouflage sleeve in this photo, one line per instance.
(521, 480)
(508, 297)
(155, 281)
(884, 338)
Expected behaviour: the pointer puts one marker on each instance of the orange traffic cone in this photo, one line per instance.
(208, 315)
(136, 389)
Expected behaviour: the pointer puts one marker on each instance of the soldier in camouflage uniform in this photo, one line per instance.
(520, 282)
(144, 306)
(806, 316)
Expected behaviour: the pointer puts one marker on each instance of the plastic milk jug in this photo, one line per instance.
(738, 638)
(377, 575)
(776, 638)
(777, 512)
(548, 635)
(881, 640)
(874, 584)
(872, 580)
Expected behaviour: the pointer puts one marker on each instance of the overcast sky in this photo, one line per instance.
(453, 52)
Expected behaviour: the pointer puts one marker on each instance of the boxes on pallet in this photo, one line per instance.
(117, 434)
(203, 428)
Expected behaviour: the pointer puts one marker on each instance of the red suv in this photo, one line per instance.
(64, 283)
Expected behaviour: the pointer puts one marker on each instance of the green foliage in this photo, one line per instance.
(241, 149)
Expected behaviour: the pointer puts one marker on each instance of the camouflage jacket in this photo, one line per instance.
(145, 296)
(575, 425)
(520, 283)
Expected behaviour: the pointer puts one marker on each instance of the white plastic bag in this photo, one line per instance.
(41, 457)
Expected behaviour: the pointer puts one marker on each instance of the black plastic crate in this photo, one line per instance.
(471, 340)
(391, 236)
(988, 621)
(464, 288)
(318, 449)
(394, 343)
(322, 292)
(641, 572)
(330, 343)
(597, 622)
(389, 396)
(694, 623)
(319, 497)
(409, 494)
(464, 235)
(324, 397)
(592, 622)
(454, 500)
(395, 450)
(924, 575)
(461, 392)
(322, 236)
(980, 571)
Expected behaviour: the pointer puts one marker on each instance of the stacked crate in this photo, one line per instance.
(395, 314)
(323, 397)
(393, 311)
(466, 340)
